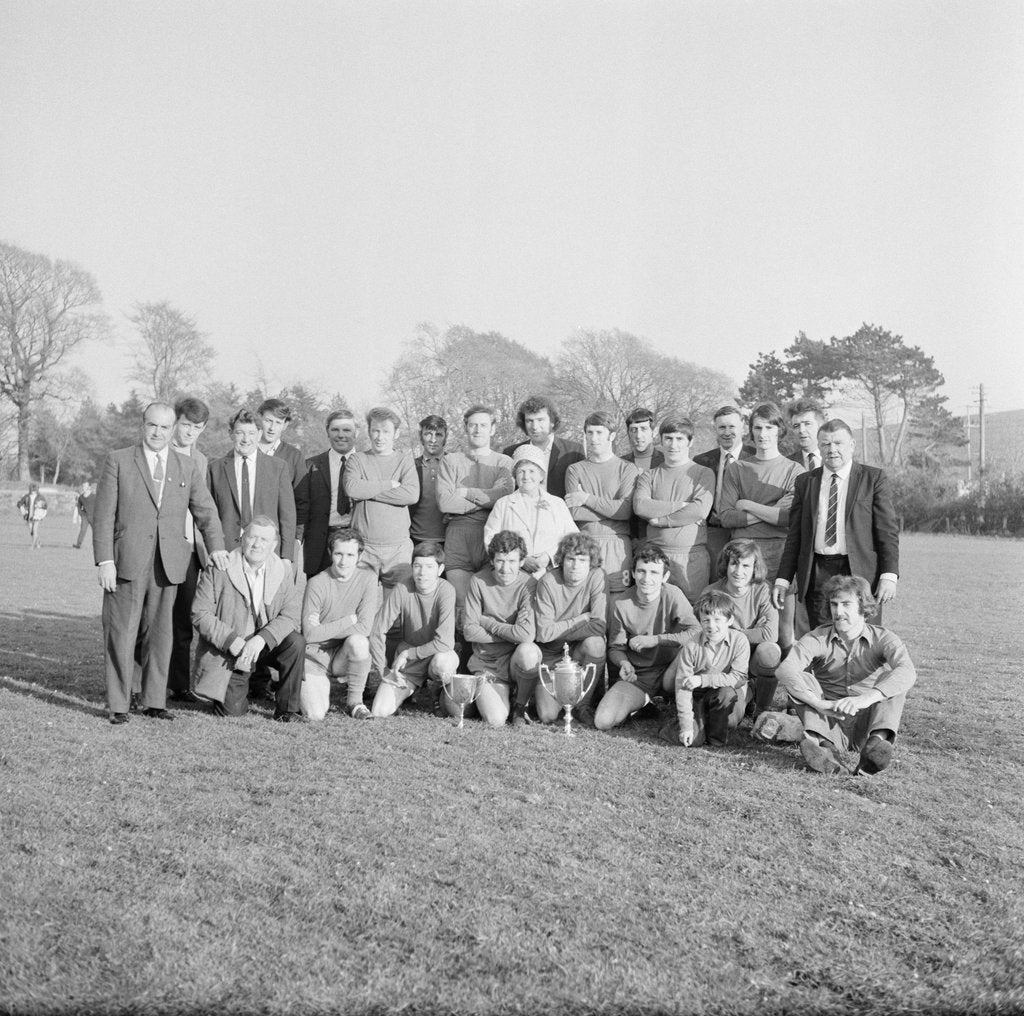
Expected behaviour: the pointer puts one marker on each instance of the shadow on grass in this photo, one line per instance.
(51, 696)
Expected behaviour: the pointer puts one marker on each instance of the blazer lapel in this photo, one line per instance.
(228, 463)
(856, 475)
(147, 476)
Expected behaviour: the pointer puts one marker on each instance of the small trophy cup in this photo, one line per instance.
(463, 689)
(568, 684)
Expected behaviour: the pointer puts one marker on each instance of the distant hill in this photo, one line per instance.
(1004, 443)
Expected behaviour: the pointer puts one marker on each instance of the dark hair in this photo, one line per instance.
(852, 585)
(650, 553)
(429, 548)
(600, 419)
(831, 426)
(341, 414)
(276, 407)
(770, 413)
(676, 425)
(242, 416)
(381, 413)
(727, 411)
(478, 408)
(504, 543)
(800, 406)
(434, 422)
(640, 415)
(340, 534)
(714, 601)
(535, 404)
(578, 543)
(736, 550)
(194, 410)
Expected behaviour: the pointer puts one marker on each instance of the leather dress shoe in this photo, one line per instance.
(118, 718)
(158, 714)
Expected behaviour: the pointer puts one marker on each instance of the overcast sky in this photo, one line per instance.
(311, 181)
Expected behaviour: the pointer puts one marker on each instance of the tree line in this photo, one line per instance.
(51, 429)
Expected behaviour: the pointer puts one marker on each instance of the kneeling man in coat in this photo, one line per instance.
(249, 614)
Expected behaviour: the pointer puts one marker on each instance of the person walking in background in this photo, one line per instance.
(86, 505)
(33, 510)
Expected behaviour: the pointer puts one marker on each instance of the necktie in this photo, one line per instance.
(718, 492)
(812, 460)
(246, 505)
(158, 479)
(832, 518)
(343, 501)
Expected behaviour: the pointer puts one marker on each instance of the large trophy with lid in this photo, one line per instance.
(568, 684)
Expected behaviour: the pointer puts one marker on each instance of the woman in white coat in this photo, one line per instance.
(539, 517)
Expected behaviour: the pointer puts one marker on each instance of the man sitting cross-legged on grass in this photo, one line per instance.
(571, 607)
(424, 608)
(850, 681)
(499, 622)
(648, 625)
(338, 611)
(710, 675)
(246, 615)
(742, 575)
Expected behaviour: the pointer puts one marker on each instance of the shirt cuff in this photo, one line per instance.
(101, 563)
(891, 576)
(782, 582)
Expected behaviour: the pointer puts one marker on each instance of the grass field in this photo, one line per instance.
(406, 866)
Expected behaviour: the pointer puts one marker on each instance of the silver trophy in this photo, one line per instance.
(463, 689)
(568, 684)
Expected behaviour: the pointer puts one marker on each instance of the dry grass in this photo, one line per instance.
(405, 866)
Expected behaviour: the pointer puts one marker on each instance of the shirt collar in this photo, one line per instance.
(239, 455)
(843, 474)
(251, 571)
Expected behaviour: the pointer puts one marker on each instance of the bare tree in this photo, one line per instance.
(446, 373)
(171, 355)
(618, 372)
(46, 309)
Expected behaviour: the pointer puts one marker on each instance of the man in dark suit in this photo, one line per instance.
(805, 418)
(538, 419)
(321, 503)
(142, 499)
(842, 522)
(728, 421)
(245, 483)
(273, 417)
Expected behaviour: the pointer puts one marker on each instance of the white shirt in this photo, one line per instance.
(256, 579)
(811, 460)
(190, 526)
(839, 547)
(252, 476)
(270, 449)
(336, 461)
(152, 458)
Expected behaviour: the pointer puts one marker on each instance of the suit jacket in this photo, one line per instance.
(657, 458)
(272, 496)
(313, 512)
(872, 532)
(127, 522)
(293, 458)
(711, 459)
(220, 612)
(563, 454)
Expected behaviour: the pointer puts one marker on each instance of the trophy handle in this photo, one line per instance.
(587, 686)
(549, 685)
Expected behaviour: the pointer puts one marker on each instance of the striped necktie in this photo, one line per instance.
(832, 518)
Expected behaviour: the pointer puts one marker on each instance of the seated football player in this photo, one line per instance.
(499, 622)
(424, 608)
(849, 680)
(648, 625)
(338, 610)
(571, 607)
